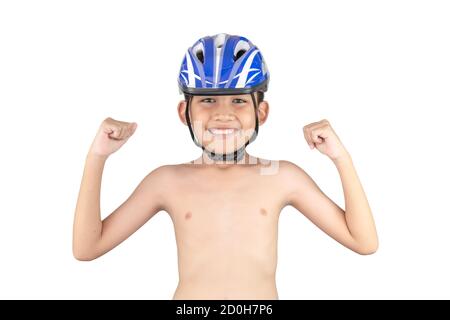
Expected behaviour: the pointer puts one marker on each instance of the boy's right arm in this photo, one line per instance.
(93, 237)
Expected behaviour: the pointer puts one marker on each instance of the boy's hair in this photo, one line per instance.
(259, 97)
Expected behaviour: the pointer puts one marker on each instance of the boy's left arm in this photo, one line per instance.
(354, 227)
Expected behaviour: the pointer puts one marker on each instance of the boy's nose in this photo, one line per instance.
(223, 116)
(223, 112)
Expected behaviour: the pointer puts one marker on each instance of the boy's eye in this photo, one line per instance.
(211, 100)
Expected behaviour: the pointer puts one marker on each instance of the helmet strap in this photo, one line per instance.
(235, 156)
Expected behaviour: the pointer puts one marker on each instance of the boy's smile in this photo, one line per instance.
(223, 132)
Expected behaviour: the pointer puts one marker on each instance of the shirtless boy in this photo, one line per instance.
(225, 205)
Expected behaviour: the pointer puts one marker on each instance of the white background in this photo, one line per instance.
(379, 71)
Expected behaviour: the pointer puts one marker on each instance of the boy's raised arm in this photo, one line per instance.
(93, 237)
(353, 227)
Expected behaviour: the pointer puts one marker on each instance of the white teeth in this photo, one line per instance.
(222, 131)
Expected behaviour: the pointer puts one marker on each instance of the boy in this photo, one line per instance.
(225, 205)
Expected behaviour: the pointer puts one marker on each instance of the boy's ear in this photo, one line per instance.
(182, 111)
(263, 112)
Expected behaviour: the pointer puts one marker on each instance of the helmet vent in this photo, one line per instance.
(199, 50)
(239, 54)
(200, 56)
(241, 48)
(219, 40)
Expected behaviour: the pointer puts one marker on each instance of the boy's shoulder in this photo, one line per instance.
(291, 174)
(289, 167)
(160, 173)
(168, 171)
(165, 170)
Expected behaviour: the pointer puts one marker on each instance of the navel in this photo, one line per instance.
(188, 215)
(263, 211)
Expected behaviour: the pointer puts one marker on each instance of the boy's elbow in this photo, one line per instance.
(368, 249)
(82, 255)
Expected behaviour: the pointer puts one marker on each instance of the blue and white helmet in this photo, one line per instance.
(223, 64)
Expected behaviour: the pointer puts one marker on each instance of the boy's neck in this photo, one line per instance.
(206, 160)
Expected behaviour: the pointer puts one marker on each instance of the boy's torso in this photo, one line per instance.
(226, 223)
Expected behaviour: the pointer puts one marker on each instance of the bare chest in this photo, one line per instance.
(222, 213)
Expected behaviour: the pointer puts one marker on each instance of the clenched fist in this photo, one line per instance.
(321, 135)
(111, 135)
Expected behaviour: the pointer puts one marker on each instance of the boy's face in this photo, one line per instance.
(223, 124)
